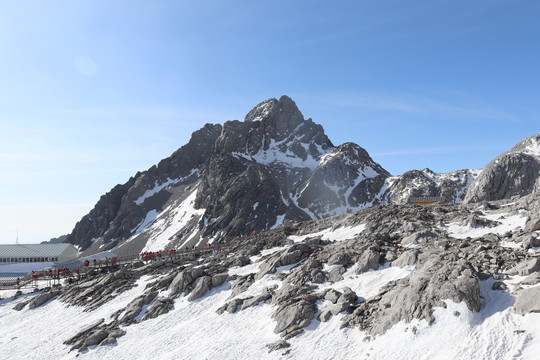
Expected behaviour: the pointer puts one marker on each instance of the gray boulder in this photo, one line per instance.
(525, 267)
(332, 296)
(202, 285)
(96, 337)
(406, 259)
(219, 279)
(369, 260)
(180, 283)
(292, 316)
(532, 279)
(336, 274)
(527, 301)
(160, 306)
(42, 299)
(508, 175)
(325, 315)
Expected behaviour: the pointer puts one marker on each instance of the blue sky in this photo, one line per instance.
(93, 91)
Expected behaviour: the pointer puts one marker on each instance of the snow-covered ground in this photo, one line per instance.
(507, 223)
(193, 330)
(339, 234)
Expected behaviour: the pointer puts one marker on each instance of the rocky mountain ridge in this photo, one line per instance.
(273, 167)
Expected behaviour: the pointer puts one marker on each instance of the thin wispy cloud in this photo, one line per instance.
(424, 105)
(440, 150)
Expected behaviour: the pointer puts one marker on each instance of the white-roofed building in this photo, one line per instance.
(27, 253)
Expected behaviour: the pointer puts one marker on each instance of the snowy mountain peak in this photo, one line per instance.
(530, 146)
(235, 179)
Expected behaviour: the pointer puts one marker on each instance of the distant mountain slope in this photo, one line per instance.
(453, 185)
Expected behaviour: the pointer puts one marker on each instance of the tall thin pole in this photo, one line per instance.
(17, 238)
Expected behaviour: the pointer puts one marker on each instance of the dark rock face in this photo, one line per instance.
(118, 212)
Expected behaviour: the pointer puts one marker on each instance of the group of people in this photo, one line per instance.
(98, 263)
(149, 255)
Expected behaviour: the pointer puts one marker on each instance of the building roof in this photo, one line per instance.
(428, 199)
(35, 250)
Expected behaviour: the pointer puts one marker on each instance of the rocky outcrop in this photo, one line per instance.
(514, 173)
(347, 179)
(527, 301)
(510, 174)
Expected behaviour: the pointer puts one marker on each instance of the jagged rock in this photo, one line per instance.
(340, 258)
(416, 295)
(525, 267)
(110, 340)
(527, 301)
(20, 305)
(289, 290)
(499, 285)
(390, 256)
(202, 285)
(85, 331)
(368, 261)
(255, 300)
(332, 296)
(340, 307)
(533, 224)
(42, 298)
(197, 273)
(241, 284)
(530, 242)
(295, 315)
(510, 174)
(335, 274)
(294, 254)
(406, 259)
(96, 337)
(133, 309)
(278, 345)
(160, 306)
(532, 279)
(318, 277)
(348, 296)
(219, 279)
(180, 283)
(230, 307)
(325, 315)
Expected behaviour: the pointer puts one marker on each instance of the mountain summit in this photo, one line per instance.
(233, 179)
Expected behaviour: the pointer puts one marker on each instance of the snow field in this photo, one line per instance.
(339, 234)
(508, 223)
(193, 330)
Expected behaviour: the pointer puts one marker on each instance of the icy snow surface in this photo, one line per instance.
(164, 228)
(508, 223)
(339, 234)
